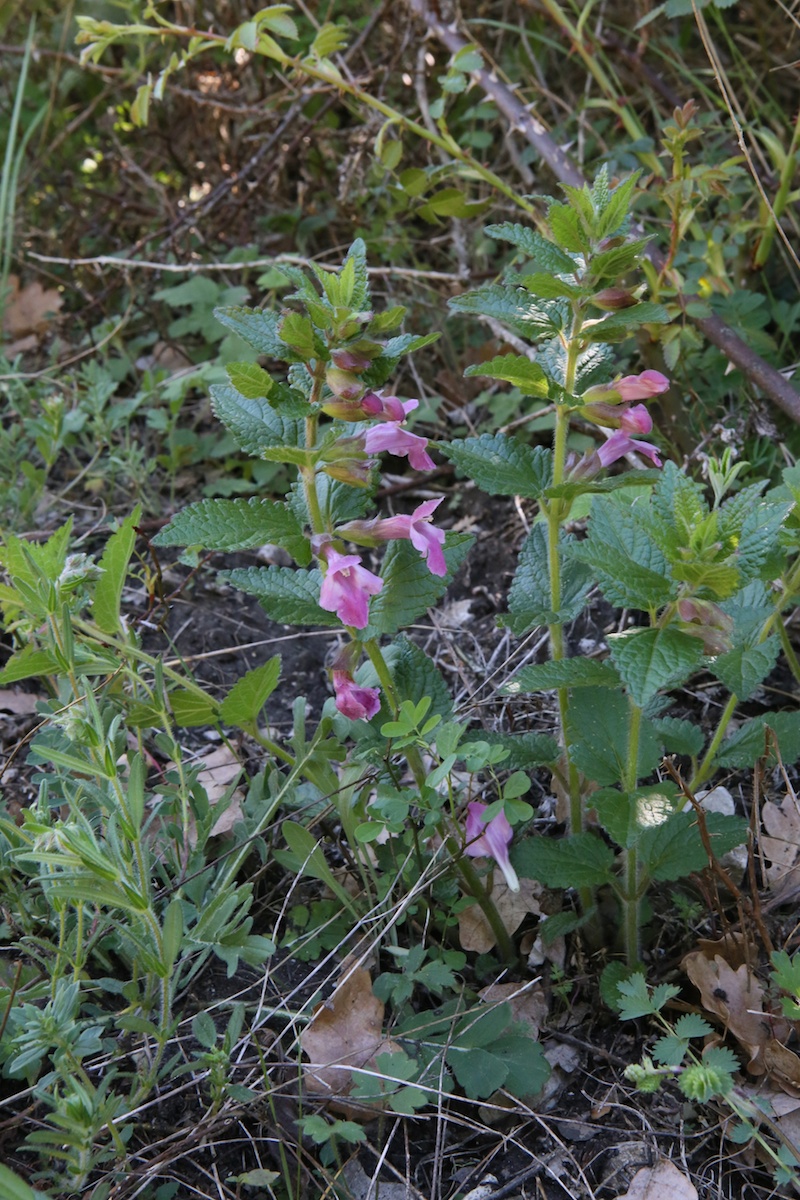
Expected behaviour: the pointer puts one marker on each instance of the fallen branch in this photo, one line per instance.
(772, 383)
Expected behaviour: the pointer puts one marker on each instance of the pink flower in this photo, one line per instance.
(387, 408)
(391, 437)
(640, 387)
(620, 444)
(347, 587)
(424, 536)
(353, 701)
(636, 420)
(492, 839)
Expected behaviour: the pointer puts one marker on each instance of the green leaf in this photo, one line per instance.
(566, 672)
(610, 264)
(243, 703)
(745, 667)
(204, 1030)
(630, 568)
(259, 328)
(290, 597)
(415, 674)
(583, 860)
(329, 40)
(649, 660)
(515, 309)
(237, 525)
(528, 1069)
(546, 253)
(254, 423)
(450, 202)
(692, 1025)
(529, 596)
(250, 380)
(409, 588)
(621, 324)
(675, 849)
(745, 747)
(525, 750)
(14, 1188)
(598, 732)
(680, 736)
(599, 487)
(114, 563)
(306, 857)
(636, 1000)
(513, 368)
(501, 465)
(480, 1072)
(566, 227)
(625, 815)
(548, 287)
(191, 708)
(757, 540)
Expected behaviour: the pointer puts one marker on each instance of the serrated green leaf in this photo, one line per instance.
(501, 465)
(675, 849)
(28, 664)
(250, 380)
(237, 525)
(529, 596)
(114, 564)
(409, 588)
(193, 708)
(567, 230)
(565, 672)
(243, 703)
(598, 733)
(680, 736)
(692, 1025)
(600, 487)
(630, 568)
(621, 324)
(546, 253)
(298, 332)
(525, 750)
(290, 597)
(329, 40)
(583, 860)
(259, 328)
(747, 745)
(415, 674)
(549, 287)
(650, 660)
(516, 369)
(515, 309)
(745, 667)
(626, 815)
(757, 540)
(635, 999)
(254, 423)
(610, 264)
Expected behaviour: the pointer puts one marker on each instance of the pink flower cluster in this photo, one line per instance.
(612, 405)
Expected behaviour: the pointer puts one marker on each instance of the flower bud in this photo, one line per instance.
(707, 621)
(613, 298)
(344, 384)
(349, 360)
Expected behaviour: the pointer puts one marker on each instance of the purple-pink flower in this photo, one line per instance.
(417, 527)
(492, 839)
(389, 436)
(387, 408)
(635, 420)
(347, 587)
(640, 387)
(620, 444)
(353, 701)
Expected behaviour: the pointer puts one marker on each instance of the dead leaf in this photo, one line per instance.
(732, 947)
(345, 1031)
(783, 1066)
(528, 1004)
(14, 701)
(781, 846)
(737, 998)
(475, 932)
(662, 1182)
(27, 309)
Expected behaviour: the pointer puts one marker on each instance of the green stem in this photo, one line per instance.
(704, 770)
(375, 655)
(474, 886)
(632, 901)
(788, 649)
